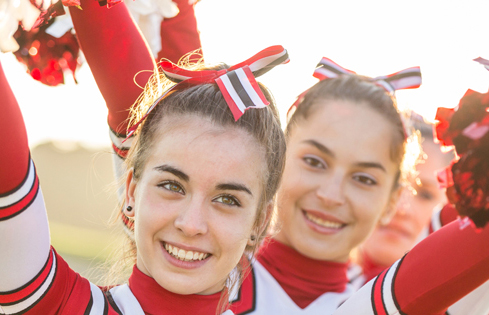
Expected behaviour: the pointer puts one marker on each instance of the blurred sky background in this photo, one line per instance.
(373, 38)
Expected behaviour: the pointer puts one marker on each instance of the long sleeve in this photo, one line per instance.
(435, 274)
(118, 57)
(180, 35)
(24, 232)
(115, 51)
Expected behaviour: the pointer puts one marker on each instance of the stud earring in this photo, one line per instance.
(129, 208)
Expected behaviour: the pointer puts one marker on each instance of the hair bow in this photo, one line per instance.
(483, 62)
(237, 83)
(409, 78)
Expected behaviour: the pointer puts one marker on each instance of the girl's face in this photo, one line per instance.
(390, 242)
(195, 204)
(338, 180)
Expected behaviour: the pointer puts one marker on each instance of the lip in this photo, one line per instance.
(184, 264)
(319, 228)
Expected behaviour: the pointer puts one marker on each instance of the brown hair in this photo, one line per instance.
(360, 90)
(207, 101)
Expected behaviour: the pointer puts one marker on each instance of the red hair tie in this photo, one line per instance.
(237, 84)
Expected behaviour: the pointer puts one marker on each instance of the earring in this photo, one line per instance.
(129, 208)
(253, 238)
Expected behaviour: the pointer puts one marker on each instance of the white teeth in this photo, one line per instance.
(325, 223)
(183, 254)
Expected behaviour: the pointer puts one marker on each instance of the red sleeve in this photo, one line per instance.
(14, 156)
(441, 269)
(115, 51)
(442, 217)
(179, 35)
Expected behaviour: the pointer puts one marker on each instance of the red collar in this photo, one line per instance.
(156, 300)
(304, 279)
(369, 267)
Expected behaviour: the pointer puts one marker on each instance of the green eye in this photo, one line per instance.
(174, 187)
(227, 200)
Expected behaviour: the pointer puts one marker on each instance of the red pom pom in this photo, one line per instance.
(470, 190)
(47, 57)
(467, 128)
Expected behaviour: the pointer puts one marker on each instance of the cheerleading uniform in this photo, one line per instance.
(475, 303)
(34, 279)
(271, 287)
(413, 285)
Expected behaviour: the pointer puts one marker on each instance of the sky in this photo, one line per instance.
(372, 38)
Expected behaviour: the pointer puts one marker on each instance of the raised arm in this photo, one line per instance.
(24, 232)
(435, 274)
(115, 51)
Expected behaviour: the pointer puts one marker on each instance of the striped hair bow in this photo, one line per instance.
(409, 78)
(237, 83)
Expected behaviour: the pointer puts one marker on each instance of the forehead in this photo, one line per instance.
(350, 129)
(203, 149)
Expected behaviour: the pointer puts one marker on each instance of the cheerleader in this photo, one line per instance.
(346, 159)
(200, 181)
(421, 200)
(301, 284)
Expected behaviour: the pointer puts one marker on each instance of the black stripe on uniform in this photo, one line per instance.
(372, 296)
(393, 285)
(112, 303)
(29, 283)
(90, 304)
(23, 180)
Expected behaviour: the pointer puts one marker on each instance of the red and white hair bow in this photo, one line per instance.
(237, 83)
(409, 78)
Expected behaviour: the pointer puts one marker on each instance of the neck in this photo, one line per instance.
(156, 300)
(304, 279)
(370, 268)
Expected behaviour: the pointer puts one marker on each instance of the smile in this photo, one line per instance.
(185, 255)
(325, 223)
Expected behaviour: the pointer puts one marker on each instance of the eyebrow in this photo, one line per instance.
(173, 170)
(320, 147)
(371, 165)
(233, 186)
(324, 149)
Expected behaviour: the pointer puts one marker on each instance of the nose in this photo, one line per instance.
(192, 220)
(331, 191)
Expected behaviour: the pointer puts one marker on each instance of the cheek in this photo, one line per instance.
(233, 233)
(422, 211)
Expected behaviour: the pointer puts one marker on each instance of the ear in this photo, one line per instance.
(262, 223)
(129, 193)
(391, 208)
